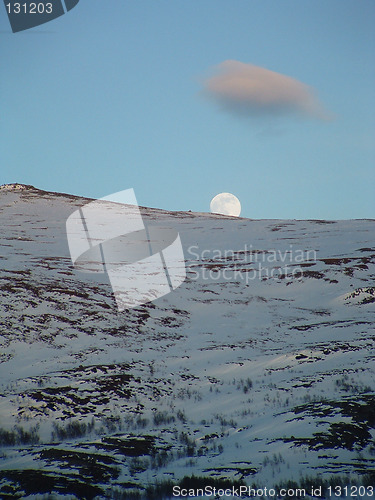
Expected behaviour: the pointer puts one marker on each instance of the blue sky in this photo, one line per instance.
(110, 96)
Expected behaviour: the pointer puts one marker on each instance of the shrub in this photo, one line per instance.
(19, 436)
(74, 429)
(161, 417)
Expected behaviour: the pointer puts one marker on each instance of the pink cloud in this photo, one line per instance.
(250, 90)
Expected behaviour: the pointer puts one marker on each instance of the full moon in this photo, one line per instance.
(226, 204)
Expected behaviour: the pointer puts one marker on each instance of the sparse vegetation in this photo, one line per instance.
(181, 416)
(190, 445)
(162, 418)
(18, 435)
(244, 385)
(72, 430)
(347, 384)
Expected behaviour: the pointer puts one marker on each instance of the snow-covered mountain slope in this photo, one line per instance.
(259, 368)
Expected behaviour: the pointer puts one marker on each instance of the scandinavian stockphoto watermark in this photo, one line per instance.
(248, 263)
(143, 260)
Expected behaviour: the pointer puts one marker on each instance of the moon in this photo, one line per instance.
(226, 204)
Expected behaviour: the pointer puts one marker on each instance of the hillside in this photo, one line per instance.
(259, 368)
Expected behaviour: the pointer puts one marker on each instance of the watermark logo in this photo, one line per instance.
(26, 14)
(143, 260)
(248, 264)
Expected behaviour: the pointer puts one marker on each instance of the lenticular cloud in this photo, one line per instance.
(250, 90)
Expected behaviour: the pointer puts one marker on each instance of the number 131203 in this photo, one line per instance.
(32, 8)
